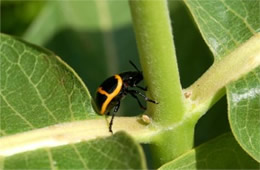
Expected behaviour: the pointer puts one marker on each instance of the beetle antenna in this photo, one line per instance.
(134, 65)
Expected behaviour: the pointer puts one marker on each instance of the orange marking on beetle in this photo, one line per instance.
(112, 95)
(101, 91)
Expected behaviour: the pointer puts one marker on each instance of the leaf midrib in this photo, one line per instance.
(71, 132)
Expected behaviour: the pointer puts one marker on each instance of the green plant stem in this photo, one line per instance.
(209, 88)
(157, 54)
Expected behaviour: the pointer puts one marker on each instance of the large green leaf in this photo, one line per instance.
(116, 152)
(220, 153)
(38, 89)
(244, 111)
(225, 25)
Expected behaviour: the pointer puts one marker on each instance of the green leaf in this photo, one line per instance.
(220, 153)
(46, 107)
(244, 111)
(225, 24)
(38, 89)
(229, 34)
(119, 151)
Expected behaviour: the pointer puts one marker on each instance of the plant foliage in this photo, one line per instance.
(47, 118)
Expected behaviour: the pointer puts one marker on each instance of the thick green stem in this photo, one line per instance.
(157, 53)
(152, 26)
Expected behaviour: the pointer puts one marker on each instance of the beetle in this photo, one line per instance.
(110, 93)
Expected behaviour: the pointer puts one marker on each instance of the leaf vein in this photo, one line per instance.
(217, 22)
(79, 155)
(38, 93)
(17, 113)
(240, 17)
(50, 158)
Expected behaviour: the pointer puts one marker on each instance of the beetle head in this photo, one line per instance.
(132, 78)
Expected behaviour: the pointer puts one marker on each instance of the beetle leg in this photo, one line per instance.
(140, 94)
(117, 107)
(113, 115)
(140, 104)
(142, 88)
(111, 123)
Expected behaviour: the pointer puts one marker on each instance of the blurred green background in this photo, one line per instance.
(96, 38)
